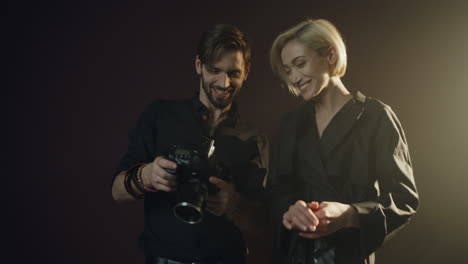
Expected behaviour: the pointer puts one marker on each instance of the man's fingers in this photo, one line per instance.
(165, 163)
(223, 185)
(214, 210)
(161, 181)
(162, 173)
(162, 187)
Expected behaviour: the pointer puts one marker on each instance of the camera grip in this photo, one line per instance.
(171, 171)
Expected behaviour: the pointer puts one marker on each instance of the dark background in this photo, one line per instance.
(80, 74)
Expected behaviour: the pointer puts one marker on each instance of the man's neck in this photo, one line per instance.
(215, 115)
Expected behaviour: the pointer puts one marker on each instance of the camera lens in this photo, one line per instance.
(191, 196)
(188, 213)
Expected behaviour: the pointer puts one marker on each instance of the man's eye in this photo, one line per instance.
(211, 70)
(234, 75)
(300, 65)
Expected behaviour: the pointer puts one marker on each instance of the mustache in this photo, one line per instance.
(221, 88)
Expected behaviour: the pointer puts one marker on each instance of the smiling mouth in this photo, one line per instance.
(221, 92)
(303, 85)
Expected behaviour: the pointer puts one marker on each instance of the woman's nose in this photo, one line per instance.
(295, 78)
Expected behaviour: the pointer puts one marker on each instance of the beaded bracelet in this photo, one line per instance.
(136, 177)
(128, 183)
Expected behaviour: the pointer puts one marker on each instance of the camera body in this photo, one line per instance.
(194, 167)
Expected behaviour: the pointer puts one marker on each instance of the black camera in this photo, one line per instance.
(194, 167)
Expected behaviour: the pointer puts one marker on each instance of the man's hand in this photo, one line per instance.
(300, 217)
(332, 217)
(155, 175)
(225, 200)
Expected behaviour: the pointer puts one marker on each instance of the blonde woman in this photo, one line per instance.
(342, 179)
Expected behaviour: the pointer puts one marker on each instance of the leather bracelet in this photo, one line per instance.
(128, 183)
(138, 180)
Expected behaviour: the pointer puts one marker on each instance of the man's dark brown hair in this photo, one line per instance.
(220, 38)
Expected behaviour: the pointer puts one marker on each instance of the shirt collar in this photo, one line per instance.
(358, 99)
(199, 110)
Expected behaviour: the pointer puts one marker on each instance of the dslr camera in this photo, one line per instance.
(194, 167)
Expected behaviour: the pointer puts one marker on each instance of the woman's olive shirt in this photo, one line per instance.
(361, 159)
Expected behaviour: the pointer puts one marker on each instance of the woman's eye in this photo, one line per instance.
(301, 64)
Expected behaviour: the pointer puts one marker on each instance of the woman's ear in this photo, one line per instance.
(332, 58)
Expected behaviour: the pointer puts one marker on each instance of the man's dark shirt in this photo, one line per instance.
(167, 123)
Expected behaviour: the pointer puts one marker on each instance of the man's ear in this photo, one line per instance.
(198, 65)
(247, 71)
(332, 56)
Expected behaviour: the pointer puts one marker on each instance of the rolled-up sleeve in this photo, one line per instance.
(397, 198)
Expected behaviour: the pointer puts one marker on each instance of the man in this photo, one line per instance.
(223, 64)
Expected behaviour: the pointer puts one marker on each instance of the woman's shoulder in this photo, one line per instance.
(382, 115)
(373, 106)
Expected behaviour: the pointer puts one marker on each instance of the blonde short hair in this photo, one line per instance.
(318, 34)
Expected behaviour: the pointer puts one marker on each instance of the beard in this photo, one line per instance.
(219, 103)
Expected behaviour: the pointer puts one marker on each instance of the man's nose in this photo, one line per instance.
(224, 80)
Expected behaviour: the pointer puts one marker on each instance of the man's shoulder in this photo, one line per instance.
(168, 103)
(165, 106)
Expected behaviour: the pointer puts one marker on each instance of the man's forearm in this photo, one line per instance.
(119, 192)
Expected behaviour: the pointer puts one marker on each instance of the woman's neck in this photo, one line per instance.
(332, 97)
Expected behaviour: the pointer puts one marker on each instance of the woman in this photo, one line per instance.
(342, 180)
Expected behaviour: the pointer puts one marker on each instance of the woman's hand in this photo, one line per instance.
(300, 217)
(332, 217)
